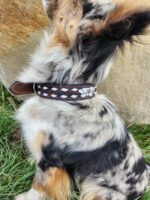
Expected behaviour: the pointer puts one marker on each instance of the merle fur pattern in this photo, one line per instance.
(86, 138)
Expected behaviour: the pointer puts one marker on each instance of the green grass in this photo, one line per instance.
(16, 172)
(16, 169)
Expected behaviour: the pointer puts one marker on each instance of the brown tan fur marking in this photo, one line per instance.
(127, 8)
(123, 10)
(55, 183)
(35, 145)
(66, 20)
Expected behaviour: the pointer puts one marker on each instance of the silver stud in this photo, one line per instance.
(74, 96)
(63, 96)
(54, 89)
(54, 95)
(45, 88)
(45, 94)
(74, 89)
(64, 89)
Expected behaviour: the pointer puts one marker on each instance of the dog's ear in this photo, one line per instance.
(103, 37)
(50, 6)
(127, 20)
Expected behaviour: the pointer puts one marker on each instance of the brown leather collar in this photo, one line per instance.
(72, 92)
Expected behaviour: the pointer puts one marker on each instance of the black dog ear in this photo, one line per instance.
(100, 43)
(127, 20)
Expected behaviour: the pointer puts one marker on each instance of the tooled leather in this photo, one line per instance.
(19, 88)
(71, 92)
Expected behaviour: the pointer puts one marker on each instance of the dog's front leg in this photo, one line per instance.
(38, 191)
(49, 183)
(39, 187)
(32, 194)
(54, 183)
(35, 144)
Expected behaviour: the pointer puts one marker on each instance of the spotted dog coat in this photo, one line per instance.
(84, 143)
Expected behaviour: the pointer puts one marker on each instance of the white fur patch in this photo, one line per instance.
(31, 195)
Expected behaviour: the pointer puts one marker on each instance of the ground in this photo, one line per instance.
(16, 166)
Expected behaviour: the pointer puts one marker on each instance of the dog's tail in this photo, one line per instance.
(56, 184)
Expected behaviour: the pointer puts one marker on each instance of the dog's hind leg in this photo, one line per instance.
(54, 183)
(93, 191)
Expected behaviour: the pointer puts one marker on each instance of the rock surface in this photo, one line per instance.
(128, 84)
(21, 25)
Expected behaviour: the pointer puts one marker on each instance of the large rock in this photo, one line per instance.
(128, 84)
(21, 26)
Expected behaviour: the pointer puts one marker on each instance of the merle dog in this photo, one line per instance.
(82, 142)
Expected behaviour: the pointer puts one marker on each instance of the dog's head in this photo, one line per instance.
(85, 36)
(101, 36)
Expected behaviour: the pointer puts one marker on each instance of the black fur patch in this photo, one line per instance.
(80, 105)
(113, 173)
(112, 187)
(65, 77)
(103, 112)
(139, 167)
(90, 135)
(133, 195)
(100, 160)
(132, 181)
(85, 162)
(87, 7)
(126, 166)
(96, 49)
(51, 157)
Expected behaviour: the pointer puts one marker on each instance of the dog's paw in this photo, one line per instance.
(21, 197)
(31, 195)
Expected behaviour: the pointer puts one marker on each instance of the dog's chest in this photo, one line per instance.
(79, 127)
(66, 123)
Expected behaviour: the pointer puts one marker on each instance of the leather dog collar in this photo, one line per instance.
(70, 92)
